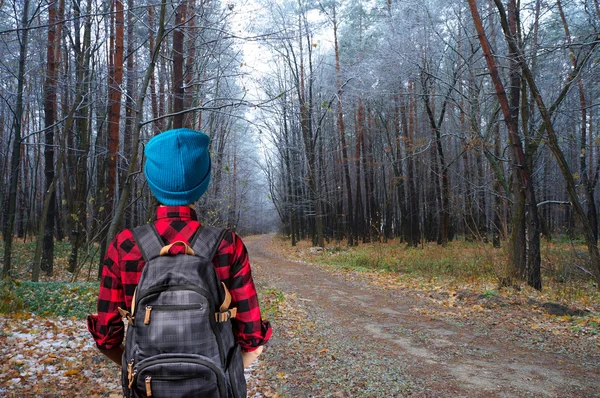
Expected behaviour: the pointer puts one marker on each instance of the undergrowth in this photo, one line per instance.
(23, 253)
(461, 264)
(49, 298)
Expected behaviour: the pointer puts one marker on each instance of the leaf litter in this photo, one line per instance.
(49, 356)
(57, 356)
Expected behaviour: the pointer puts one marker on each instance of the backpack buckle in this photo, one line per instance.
(224, 316)
(127, 315)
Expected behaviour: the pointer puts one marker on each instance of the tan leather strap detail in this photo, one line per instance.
(147, 315)
(130, 374)
(129, 315)
(165, 250)
(227, 301)
(133, 301)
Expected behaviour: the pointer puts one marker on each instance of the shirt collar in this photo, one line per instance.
(177, 212)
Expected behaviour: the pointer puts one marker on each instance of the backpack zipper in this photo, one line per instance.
(130, 374)
(165, 288)
(172, 378)
(169, 307)
(148, 386)
(165, 378)
(147, 316)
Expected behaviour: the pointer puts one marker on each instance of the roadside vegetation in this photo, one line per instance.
(468, 275)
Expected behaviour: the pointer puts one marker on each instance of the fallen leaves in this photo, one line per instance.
(47, 356)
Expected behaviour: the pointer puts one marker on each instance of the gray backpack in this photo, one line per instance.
(179, 340)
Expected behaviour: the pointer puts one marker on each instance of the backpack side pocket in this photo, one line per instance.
(169, 375)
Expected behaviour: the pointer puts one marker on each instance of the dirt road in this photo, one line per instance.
(349, 338)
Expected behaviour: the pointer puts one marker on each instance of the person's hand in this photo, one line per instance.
(249, 357)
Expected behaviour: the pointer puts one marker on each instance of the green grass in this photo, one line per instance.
(49, 298)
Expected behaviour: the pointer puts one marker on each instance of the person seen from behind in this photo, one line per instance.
(177, 169)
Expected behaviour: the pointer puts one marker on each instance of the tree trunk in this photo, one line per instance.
(190, 87)
(405, 232)
(115, 80)
(50, 87)
(162, 100)
(153, 96)
(16, 152)
(178, 90)
(521, 172)
(496, 186)
(358, 215)
(290, 173)
(342, 130)
(482, 203)
(373, 216)
(47, 200)
(129, 102)
(408, 127)
(78, 234)
(124, 198)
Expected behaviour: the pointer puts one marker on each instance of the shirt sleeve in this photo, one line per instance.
(250, 330)
(107, 326)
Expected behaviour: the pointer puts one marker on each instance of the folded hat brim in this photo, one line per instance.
(169, 198)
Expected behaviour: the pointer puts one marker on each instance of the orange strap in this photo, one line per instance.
(133, 301)
(148, 386)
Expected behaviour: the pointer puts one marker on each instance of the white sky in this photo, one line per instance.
(248, 13)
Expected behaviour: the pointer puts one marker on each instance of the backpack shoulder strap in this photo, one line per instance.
(148, 240)
(206, 241)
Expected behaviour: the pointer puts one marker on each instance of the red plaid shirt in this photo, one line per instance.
(124, 263)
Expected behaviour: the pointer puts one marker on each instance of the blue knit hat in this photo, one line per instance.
(178, 166)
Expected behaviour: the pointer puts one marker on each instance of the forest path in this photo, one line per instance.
(356, 339)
